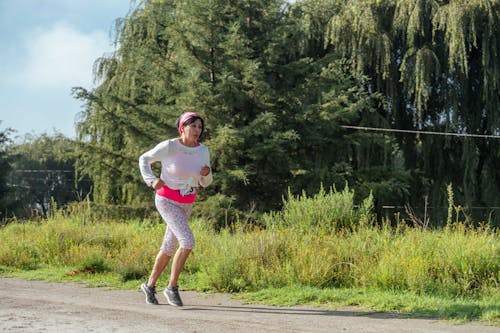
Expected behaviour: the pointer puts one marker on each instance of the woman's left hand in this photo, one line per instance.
(205, 171)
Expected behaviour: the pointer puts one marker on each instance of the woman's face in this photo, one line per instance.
(193, 130)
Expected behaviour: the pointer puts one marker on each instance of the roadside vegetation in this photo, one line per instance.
(319, 250)
(295, 94)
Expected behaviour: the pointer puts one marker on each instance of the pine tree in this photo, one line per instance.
(273, 95)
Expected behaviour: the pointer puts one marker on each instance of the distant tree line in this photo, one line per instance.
(276, 81)
(38, 175)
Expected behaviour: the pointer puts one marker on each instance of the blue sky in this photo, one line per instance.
(46, 48)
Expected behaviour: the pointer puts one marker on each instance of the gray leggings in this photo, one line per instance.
(176, 216)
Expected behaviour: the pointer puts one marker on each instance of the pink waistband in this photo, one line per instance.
(175, 195)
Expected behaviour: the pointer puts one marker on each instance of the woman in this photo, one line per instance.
(185, 165)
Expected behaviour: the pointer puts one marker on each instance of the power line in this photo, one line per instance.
(392, 130)
(443, 207)
(43, 170)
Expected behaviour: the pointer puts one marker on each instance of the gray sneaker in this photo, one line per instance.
(150, 294)
(173, 297)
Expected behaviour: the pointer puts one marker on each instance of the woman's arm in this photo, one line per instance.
(154, 155)
(206, 172)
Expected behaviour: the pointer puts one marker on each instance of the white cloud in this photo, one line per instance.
(62, 56)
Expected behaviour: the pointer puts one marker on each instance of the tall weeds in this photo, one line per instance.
(322, 241)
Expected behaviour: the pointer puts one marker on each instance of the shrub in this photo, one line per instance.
(93, 259)
(324, 211)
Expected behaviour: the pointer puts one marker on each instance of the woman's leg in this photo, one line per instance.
(161, 263)
(176, 216)
(177, 264)
(163, 257)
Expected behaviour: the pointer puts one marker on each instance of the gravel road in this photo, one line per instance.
(35, 306)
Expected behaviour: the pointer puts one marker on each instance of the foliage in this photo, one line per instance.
(302, 245)
(91, 211)
(323, 212)
(457, 261)
(5, 166)
(433, 60)
(272, 94)
(400, 304)
(43, 176)
(276, 83)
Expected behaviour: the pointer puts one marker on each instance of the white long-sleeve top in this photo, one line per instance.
(180, 165)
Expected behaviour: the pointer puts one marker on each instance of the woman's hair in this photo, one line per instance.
(191, 120)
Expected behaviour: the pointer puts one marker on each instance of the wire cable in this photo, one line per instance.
(392, 130)
(431, 207)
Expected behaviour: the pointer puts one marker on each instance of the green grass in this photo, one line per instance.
(64, 275)
(451, 273)
(404, 303)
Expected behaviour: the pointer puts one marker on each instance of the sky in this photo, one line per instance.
(46, 48)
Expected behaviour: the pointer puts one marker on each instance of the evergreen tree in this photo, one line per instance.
(434, 60)
(133, 108)
(272, 92)
(225, 48)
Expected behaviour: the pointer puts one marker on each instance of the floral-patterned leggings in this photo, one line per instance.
(176, 216)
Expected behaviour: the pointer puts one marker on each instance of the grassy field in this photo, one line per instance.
(319, 251)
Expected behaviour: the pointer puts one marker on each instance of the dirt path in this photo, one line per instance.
(34, 306)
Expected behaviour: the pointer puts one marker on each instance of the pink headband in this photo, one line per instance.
(184, 117)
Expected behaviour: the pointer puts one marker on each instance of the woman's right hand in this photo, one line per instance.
(157, 184)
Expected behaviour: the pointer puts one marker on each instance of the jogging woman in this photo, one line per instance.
(185, 165)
